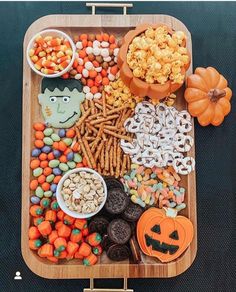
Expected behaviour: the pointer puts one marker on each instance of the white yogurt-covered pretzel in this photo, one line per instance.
(161, 137)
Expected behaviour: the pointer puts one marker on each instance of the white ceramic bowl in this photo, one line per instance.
(61, 201)
(54, 33)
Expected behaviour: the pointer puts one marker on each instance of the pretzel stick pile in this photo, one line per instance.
(99, 131)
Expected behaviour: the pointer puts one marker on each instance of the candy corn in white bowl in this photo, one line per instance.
(51, 53)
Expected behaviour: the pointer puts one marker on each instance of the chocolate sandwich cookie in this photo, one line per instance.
(118, 252)
(106, 242)
(132, 212)
(117, 201)
(98, 224)
(119, 231)
(135, 250)
(113, 183)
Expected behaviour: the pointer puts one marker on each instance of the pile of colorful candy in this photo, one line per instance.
(55, 153)
(56, 235)
(50, 55)
(154, 187)
(95, 64)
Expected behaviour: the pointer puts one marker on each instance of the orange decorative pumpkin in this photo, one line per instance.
(164, 236)
(208, 96)
(138, 86)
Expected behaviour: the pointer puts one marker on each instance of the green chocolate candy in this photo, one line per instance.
(54, 163)
(37, 171)
(48, 141)
(71, 164)
(77, 158)
(39, 192)
(63, 166)
(50, 178)
(48, 132)
(55, 137)
(47, 194)
(67, 141)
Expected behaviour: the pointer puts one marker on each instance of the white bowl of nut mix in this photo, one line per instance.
(81, 193)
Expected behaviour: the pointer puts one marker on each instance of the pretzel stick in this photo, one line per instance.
(104, 104)
(124, 118)
(99, 149)
(110, 112)
(83, 118)
(98, 121)
(83, 148)
(114, 151)
(82, 129)
(88, 138)
(90, 155)
(120, 117)
(92, 106)
(99, 168)
(123, 165)
(111, 161)
(82, 108)
(98, 105)
(102, 161)
(118, 135)
(99, 101)
(109, 143)
(107, 156)
(104, 137)
(86, 104)
(98, 138)
(91, 128)
(114, 128)
(118, 162)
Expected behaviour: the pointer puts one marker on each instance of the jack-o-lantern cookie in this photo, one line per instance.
(60, 101)
(164, 236)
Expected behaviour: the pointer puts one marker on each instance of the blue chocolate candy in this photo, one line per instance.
(62, 133)
(56, 153)
(70, 156)
(35, 152)
(57, 171)
(46, 149)
(53, 188)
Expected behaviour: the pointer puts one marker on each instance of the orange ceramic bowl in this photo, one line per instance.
(138, 86)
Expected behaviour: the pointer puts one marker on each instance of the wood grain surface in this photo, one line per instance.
(150, 267)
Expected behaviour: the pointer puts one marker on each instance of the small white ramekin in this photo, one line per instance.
(61, 201)
(53, 33)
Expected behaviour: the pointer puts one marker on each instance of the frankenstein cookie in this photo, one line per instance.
(132, 212)
(98, 224)
(117, 201)
(119, 231)
(118, 252)
(113, 183)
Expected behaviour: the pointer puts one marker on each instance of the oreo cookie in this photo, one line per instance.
(118, 252)
(119, 231)
(98, 224)
(135, 250)
(132, 212)
(117, 201)
(113, 183)
(106, 242)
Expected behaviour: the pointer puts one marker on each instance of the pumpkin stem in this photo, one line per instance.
(216, 94)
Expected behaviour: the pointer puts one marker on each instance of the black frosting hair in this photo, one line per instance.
(61, 84)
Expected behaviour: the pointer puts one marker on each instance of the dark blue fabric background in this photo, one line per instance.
(213, 28)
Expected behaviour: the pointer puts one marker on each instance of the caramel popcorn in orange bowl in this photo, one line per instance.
(153, 60)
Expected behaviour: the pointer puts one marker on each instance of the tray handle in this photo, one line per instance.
(115, 5)
(92, 289)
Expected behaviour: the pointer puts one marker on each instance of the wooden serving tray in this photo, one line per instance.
(150, 267)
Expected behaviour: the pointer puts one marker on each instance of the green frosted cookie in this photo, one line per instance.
(60, 101)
